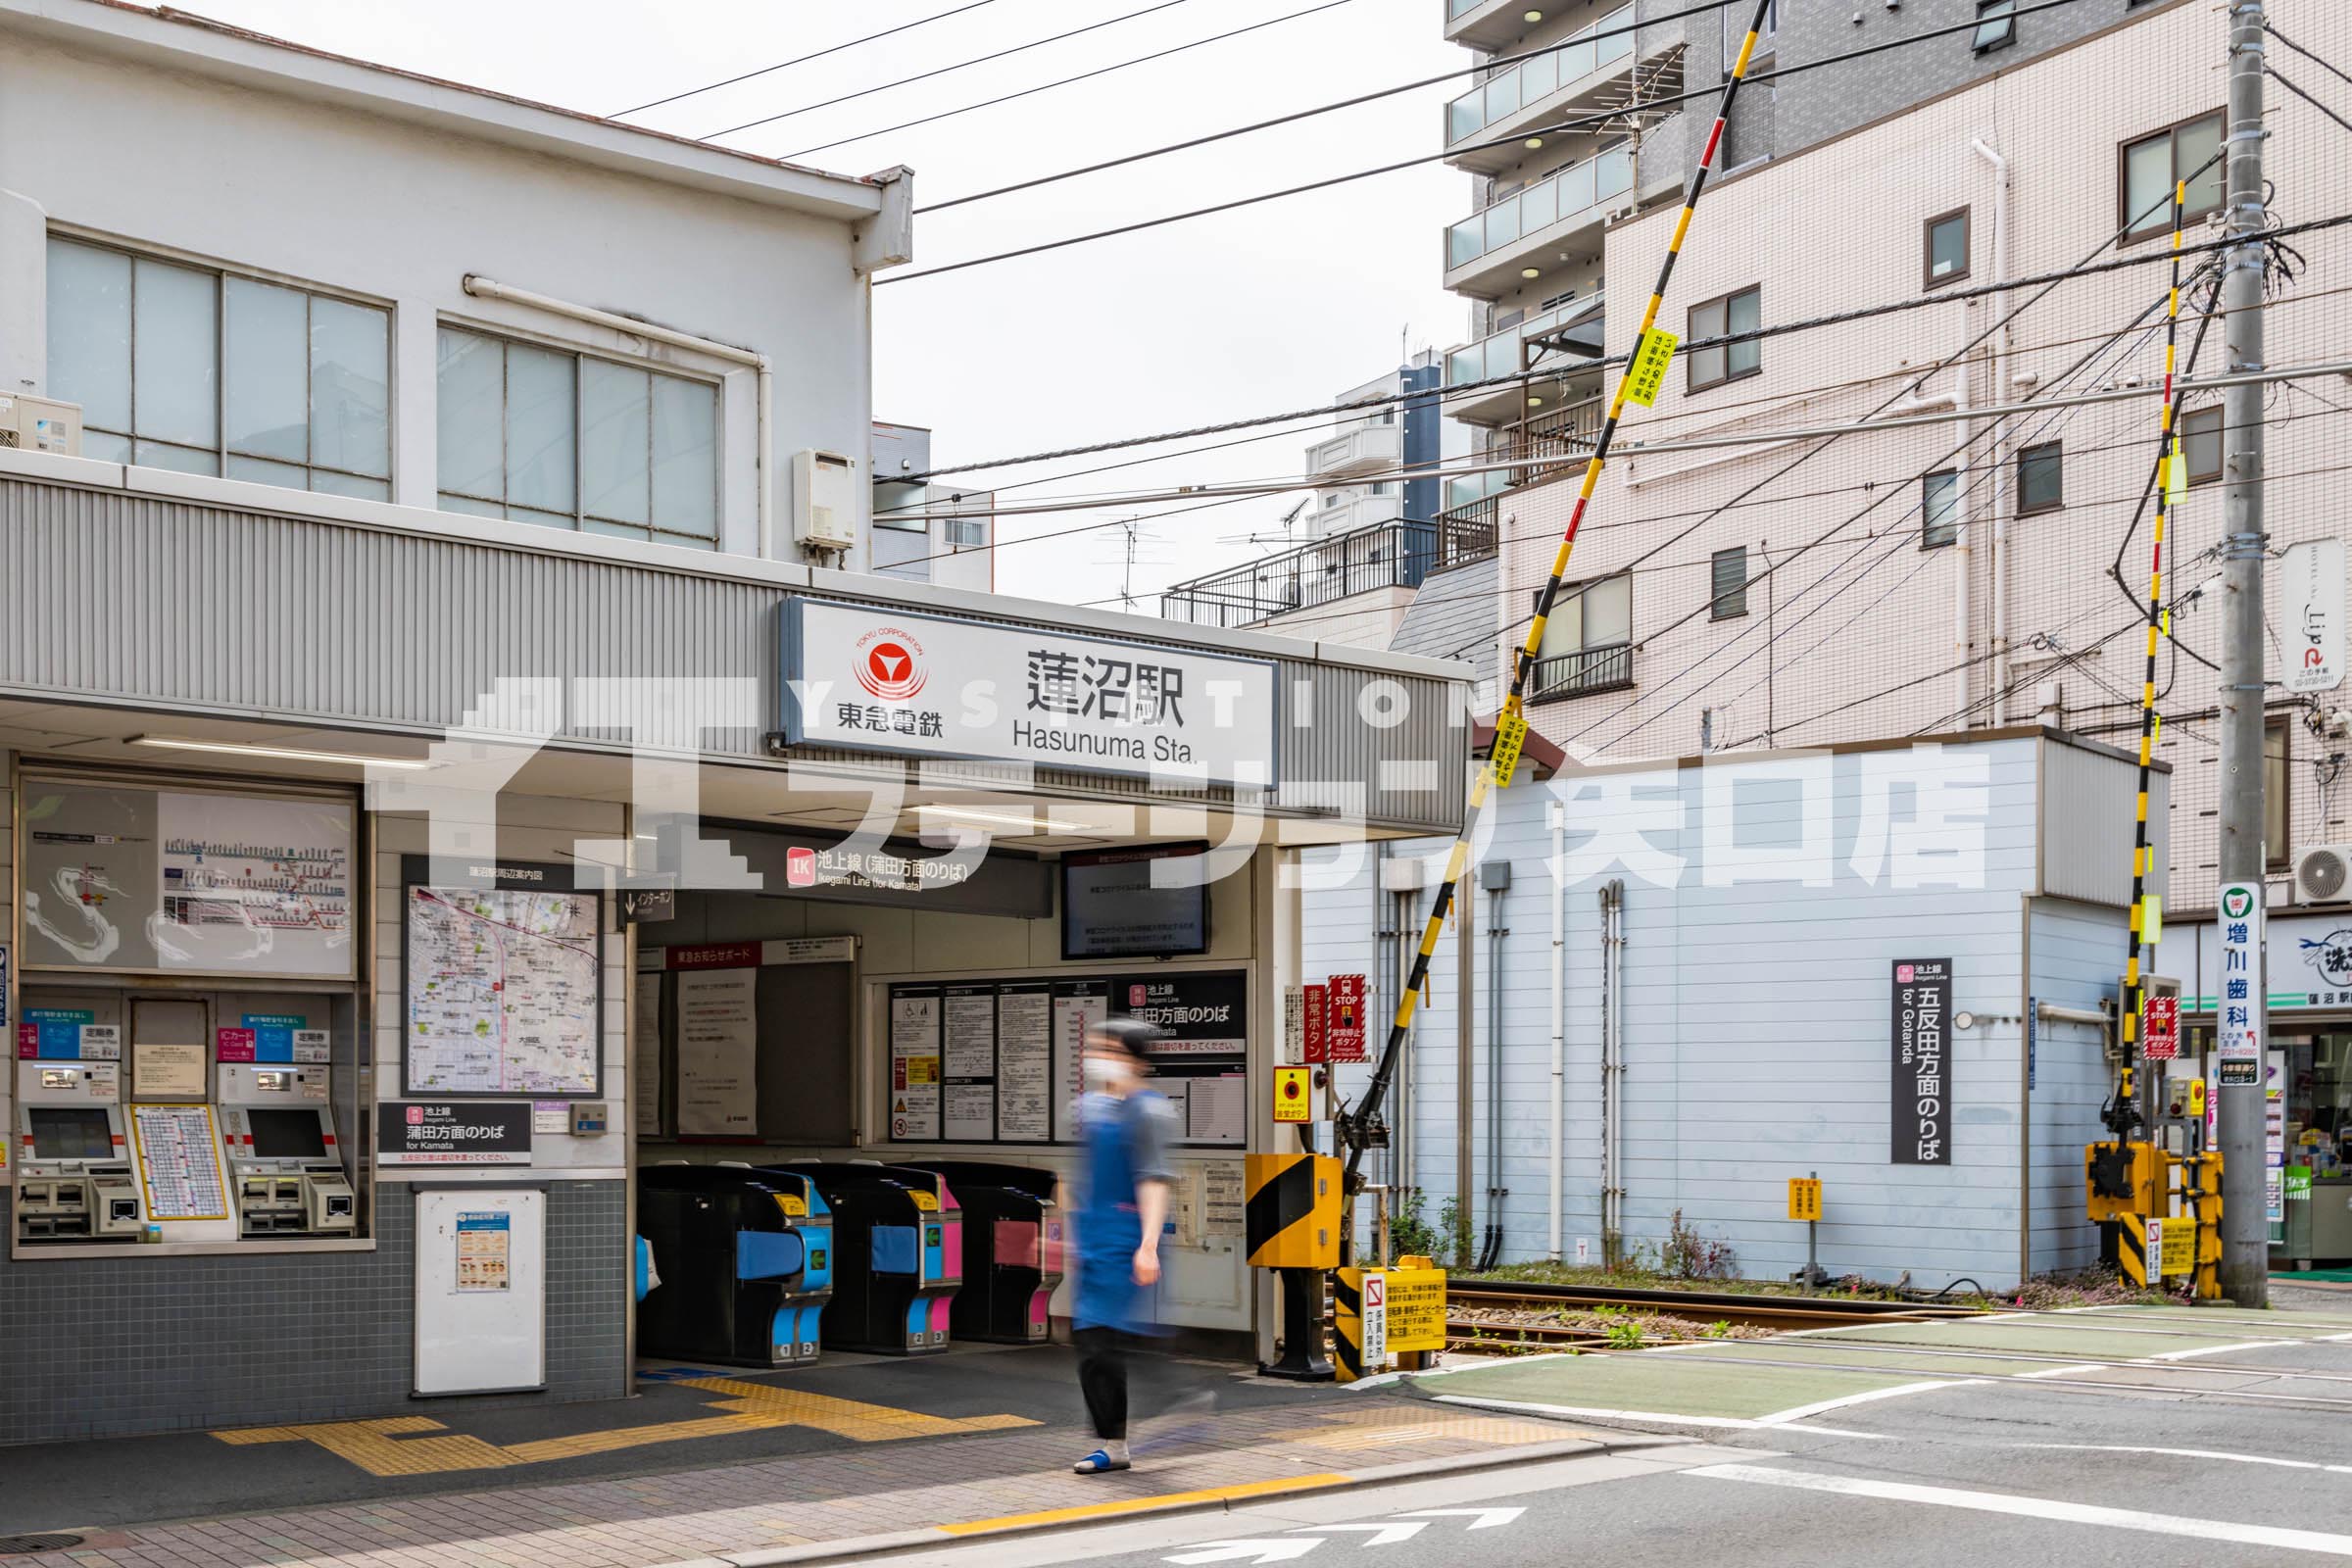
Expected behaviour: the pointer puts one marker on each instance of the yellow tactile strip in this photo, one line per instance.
(391, 1448)
(971, 1478)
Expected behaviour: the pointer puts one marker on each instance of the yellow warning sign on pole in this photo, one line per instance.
(1510, 736)
(1645, 377)
(1804, 1197)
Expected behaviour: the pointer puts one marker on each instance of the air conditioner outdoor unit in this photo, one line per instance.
(824, 500)
(2324, 873)
(40, 425)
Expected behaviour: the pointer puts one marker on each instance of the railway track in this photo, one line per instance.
(1739, 1309)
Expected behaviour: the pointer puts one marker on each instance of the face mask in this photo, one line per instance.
(1102, 1076)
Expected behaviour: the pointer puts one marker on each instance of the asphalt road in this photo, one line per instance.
(2170, 1467)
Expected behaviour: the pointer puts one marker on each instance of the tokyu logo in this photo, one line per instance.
(890, 663)
(2237, 902)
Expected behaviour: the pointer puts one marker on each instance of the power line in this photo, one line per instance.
(1048, 86)
(1899, 535)
(2320, 61)
(1430, 158)
(1497, 62)
(1714, 411)
(2308, 98)
(1938, 368)
(2087, 269)
(926, 76)
(730, 81)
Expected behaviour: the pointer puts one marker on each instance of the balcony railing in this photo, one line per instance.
(1457, 7)
(1390, 554)
(1591, 669)
(1509, 91)
(1497, 353)
(1601, 178)
(1554, 439)
(1366, 449)
(1466, 533)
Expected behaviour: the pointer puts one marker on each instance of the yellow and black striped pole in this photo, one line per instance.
(1654, 350)
(2151, 726)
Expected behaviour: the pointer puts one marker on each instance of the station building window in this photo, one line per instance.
(206, 371)
(571, 441)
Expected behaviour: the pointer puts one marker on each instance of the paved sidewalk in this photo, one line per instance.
(962, 1483)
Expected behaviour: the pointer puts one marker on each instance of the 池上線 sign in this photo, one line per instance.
(877, 678)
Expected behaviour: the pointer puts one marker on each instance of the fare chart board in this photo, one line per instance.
(505, 990)
(997, 1061)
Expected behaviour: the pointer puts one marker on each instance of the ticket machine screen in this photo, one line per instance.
(71, 1132)
(286, 1135)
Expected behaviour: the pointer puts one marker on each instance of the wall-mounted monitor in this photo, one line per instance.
(1115, 906)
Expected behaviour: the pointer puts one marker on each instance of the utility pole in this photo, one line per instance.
(2245, 1244)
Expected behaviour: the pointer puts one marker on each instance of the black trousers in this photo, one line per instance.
(1103, 1359)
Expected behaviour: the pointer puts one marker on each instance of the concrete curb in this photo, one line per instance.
(859, 1547)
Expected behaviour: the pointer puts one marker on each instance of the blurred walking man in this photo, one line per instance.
(1125, 1128)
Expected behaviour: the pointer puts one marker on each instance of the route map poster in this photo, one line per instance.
(145, 881)
(504, 991)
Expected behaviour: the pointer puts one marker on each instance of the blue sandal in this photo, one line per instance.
(1100, 1462)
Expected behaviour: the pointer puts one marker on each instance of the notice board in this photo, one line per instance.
(749, 1042)
(997, 1061)
(481, 1289)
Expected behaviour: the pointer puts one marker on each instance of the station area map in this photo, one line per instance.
(503, 992)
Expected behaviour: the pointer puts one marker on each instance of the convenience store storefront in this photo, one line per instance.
(366, 937)
(2306, 1070)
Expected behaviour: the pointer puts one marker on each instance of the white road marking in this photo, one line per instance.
(2193, 1454)
(1824, 1406)
(1386, 1531)
(1279, 1549)
(2062, 1371)
(1480, 1518)
(2220, 1349)
(2082, 1513)
(1660, 1417)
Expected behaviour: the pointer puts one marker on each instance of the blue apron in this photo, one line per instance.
(1110, 1227)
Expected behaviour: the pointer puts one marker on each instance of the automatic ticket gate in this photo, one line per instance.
(1013, 1234)
(899, 1238)
(746, 1262)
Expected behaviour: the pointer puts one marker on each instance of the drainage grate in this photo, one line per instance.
(12, 1545)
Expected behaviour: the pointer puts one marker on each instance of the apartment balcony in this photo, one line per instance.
(1607, 669)
(1388, 554)
(1487, 25)
(1363, 512)
(1368, 449)
(1590, 73)
(1561, 215)
(1567, 333)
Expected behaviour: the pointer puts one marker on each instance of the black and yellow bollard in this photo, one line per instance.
(1290, 1220)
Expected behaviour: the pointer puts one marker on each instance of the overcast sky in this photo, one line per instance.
(1273, 307)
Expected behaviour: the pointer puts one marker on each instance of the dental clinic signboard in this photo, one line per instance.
(877, 678)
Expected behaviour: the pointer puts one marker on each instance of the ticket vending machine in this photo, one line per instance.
(74, 1181)
(283, 1161)
(895, 1267)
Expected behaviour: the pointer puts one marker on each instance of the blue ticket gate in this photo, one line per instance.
(746, 1261)
(1012, 1251)
(899, 1255)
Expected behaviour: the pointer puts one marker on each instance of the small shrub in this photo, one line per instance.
(1625, 1335)
(1690, 1255)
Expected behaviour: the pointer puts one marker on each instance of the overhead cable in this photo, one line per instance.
(1430, 158)
(926, 76)
(904, 26)
(1048, 86)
